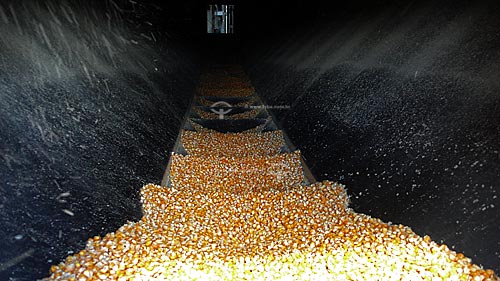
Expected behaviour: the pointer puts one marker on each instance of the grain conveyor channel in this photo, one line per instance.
(237, 202)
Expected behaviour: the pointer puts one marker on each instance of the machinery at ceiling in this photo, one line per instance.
(220, 18)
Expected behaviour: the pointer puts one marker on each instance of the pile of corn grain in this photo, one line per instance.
(232, 144)
(236, 92)
(237, 209)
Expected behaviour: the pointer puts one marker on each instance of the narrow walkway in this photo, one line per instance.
(238, 202)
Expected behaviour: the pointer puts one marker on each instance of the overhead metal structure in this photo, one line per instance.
(220, 18)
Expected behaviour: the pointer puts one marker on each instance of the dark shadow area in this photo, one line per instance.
(92, 94)
(399, 101)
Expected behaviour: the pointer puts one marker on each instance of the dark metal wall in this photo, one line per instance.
(401, 103)
(89, 108)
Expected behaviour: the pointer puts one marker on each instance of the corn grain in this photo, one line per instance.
(232, 144)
